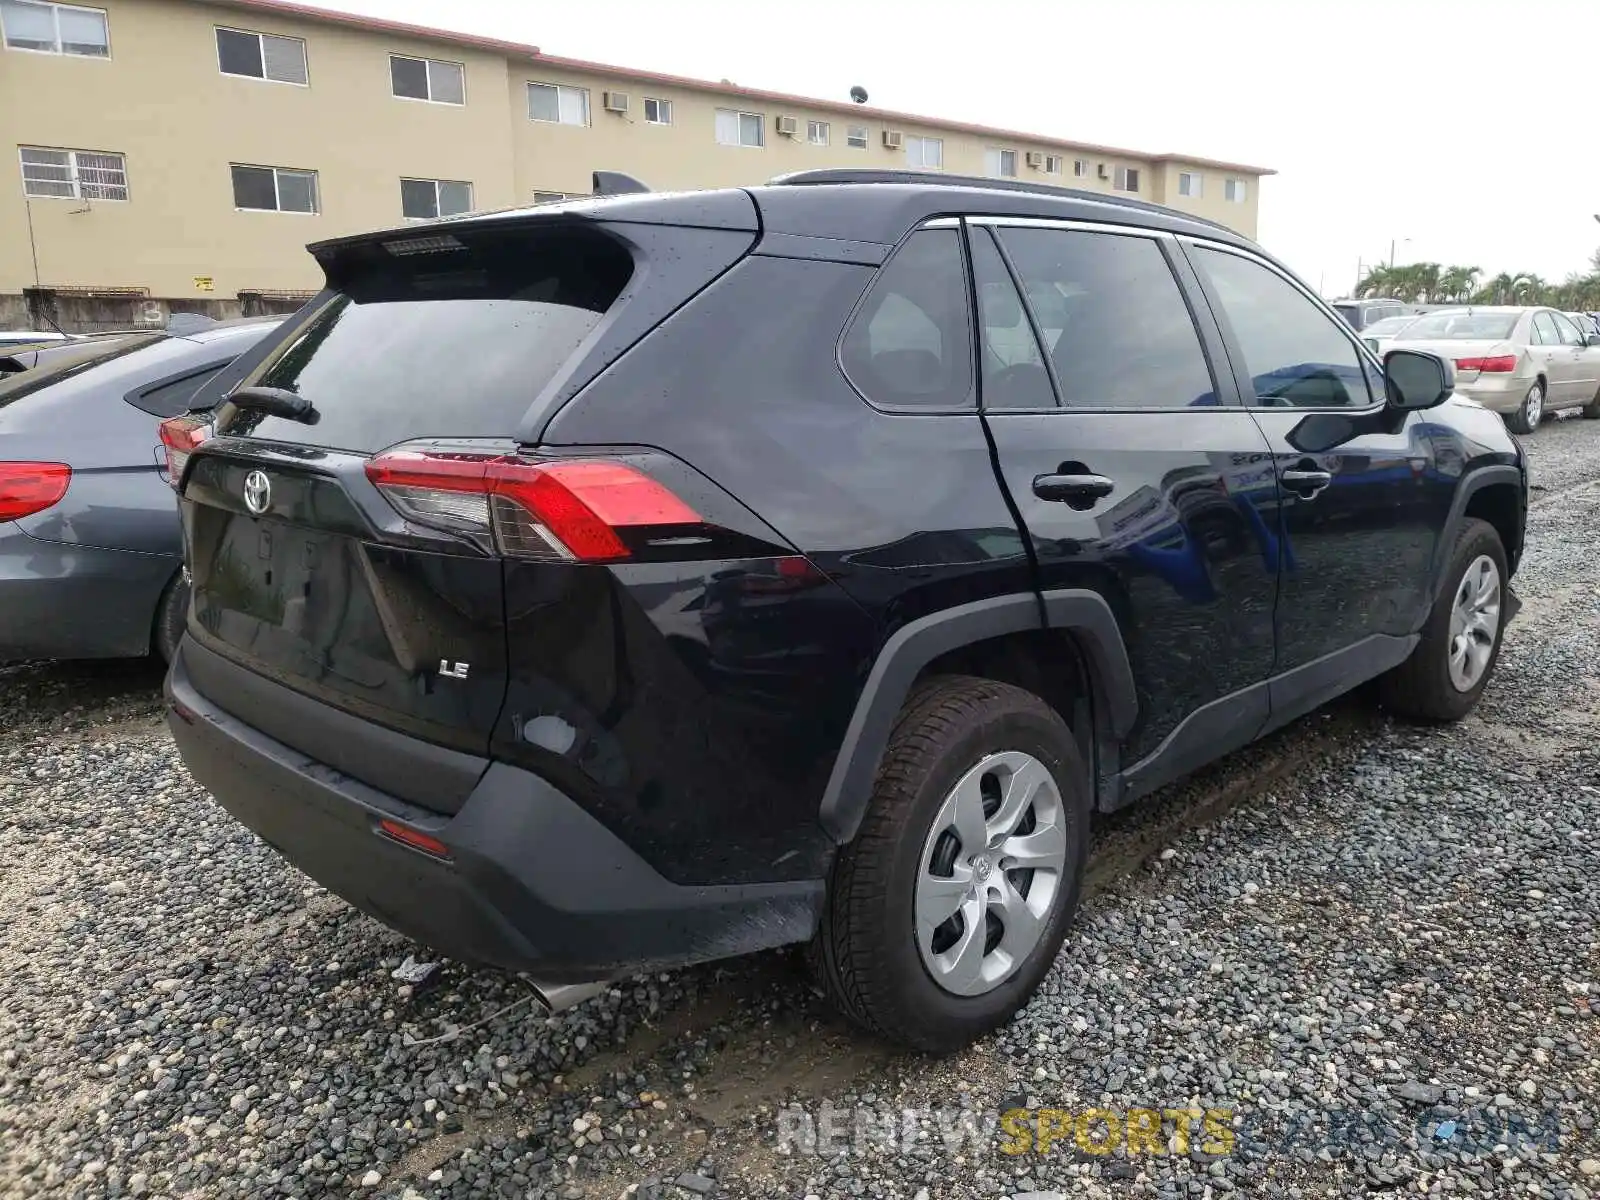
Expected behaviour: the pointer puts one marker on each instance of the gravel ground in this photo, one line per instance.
(1372, 949)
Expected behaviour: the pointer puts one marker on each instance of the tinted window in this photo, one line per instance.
(1112, 318)
(453, 342)
(1014, 374)
(409, 77)
(1296, 354)
(911, 343)
(173, 397)
(1544, 330)
(239, 53)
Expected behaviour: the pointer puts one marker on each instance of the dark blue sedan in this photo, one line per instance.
(91, 556)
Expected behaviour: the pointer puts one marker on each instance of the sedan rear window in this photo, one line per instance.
(1461, 326)
(449, 335)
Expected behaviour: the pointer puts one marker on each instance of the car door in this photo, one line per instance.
(1363, 491)
(1582, 360)
(1133, 472)
(1554, 360)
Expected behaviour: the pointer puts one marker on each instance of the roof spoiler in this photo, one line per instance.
(615, 183)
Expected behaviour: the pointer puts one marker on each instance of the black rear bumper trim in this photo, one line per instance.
(534, 884)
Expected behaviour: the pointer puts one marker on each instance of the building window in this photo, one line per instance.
(274, 189)
(1235, 191)
(736, 128)
(1002, 163)
(427, 79)
(1080, 168)
(657, 112)
(925, 152)
(262, 56)
(1052, 164)
(1127, 179)
(1190, 184)
(558, 105)
(550, 197)
(74, 174)
(55, 29)
(817, 133)
(421, 199)
(855, 136)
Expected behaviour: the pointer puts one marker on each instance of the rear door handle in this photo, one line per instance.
(1075, 491)
(1305, 482)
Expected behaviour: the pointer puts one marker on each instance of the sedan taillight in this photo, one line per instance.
(30, 487)
(1497, 363)
(180, 437)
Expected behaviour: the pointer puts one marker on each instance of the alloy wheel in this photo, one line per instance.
(1474, 623)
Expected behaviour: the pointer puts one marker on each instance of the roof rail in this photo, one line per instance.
(615, 183)
(941, 179)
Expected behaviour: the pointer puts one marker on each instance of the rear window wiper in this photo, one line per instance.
(277, 402)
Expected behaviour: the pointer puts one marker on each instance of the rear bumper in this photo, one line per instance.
(533, 882)
(59, 600)
(1503, 393)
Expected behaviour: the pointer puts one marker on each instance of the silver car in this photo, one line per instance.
(1379, 334)
(1520, 362)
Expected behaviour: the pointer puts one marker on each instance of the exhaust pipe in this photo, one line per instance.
(558, 997)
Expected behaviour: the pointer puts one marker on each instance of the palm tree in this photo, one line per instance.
(1528, 288)
(1498, 290)
(1376, 282)
(1456, 283)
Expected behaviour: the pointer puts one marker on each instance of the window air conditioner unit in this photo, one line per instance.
(891, 139)
(1105, 172)
(787, 126)
(1035, 159)
(616, 102)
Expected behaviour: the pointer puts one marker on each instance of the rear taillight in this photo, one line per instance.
(30, 487)
(578, 510)
(180, 436)
(1497, 362)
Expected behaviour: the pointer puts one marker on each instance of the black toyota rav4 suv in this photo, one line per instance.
(650, 579)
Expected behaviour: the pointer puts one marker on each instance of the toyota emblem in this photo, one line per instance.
(257, 492)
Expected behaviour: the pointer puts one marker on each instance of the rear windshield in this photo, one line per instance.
(447, 335)
(1462, 326)
(1350, 312)
(1387, 326)
(72, 359)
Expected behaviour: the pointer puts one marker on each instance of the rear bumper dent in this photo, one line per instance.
(533, 882)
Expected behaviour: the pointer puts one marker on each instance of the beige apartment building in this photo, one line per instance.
(179, 154)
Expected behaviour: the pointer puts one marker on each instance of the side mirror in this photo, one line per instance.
(1414, 379)
(1592, 340)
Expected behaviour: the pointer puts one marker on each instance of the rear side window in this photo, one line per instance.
(910, 344)
(172, 397)
(1014, 374)
(1112, 318)
(450, 335)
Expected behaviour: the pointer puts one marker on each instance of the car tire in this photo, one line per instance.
(1427, 687)
(1530, 412)
(872, 954)
(172, 614)
(1591, 410)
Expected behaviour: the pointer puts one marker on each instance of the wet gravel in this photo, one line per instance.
(1372, 949)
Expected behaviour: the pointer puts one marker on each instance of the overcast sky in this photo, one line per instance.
(1470, 127)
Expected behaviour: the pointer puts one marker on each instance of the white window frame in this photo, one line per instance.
(1119, 180)
(55, 19)
(551, 196)
(857, 137)
(813, 128)
(1235, 190)
(921, 160)
(75, 176)
(994, 163)
(558, 88)
(739, 118)
(305, 57)
(277, 189)
(430, 62)
(663, 108)
(1080, 168)
(1191, 184)
(438, 209)
(1052, 164)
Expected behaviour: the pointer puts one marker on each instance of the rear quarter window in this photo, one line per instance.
(451, 342)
